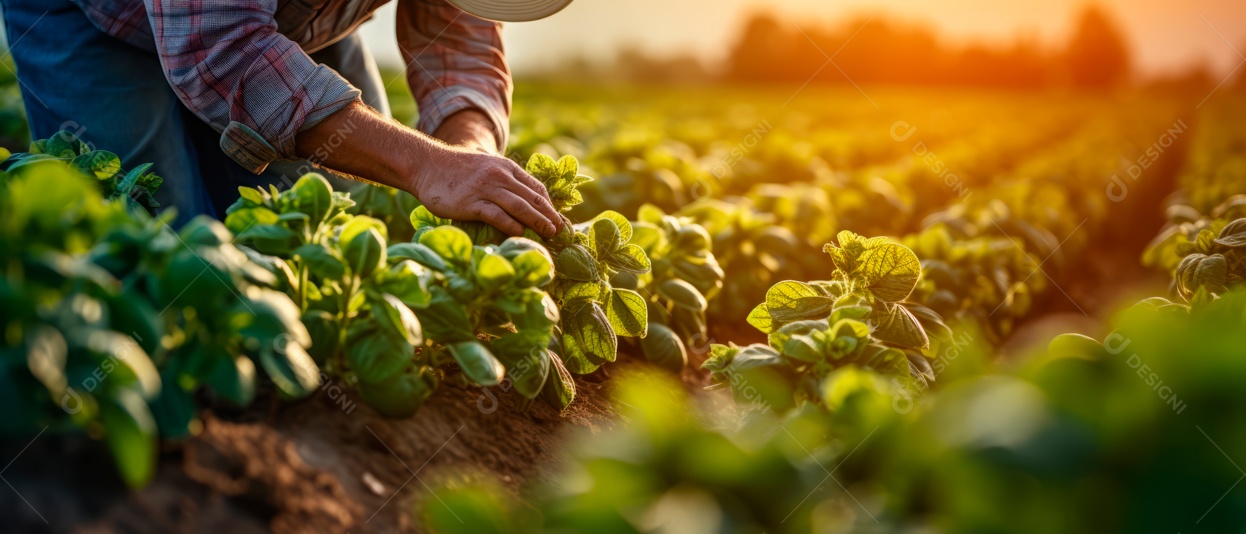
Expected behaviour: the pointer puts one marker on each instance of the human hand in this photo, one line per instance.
(469, 185)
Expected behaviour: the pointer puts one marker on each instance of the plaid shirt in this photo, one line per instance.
(242, 66)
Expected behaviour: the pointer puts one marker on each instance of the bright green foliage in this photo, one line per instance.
(685, 276)
(753, 249)
(391, 206)
(392, 317)
(115, 321)
(135, 186)
(354, 298)
(991, 280)
(857, 318)
(586, 257)
(1206, 255)
(1132, 434)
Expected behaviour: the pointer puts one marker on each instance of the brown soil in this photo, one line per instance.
(316, 465)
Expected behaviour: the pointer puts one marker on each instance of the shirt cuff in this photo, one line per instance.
(450, 100)
(254, 151)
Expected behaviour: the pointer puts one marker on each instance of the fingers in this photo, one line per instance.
(535, 194)
(497, 217)
(523, 211)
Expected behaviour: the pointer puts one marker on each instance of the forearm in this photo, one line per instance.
(358, 141)
(456, 182)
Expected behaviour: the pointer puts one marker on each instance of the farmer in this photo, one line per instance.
(217, 92)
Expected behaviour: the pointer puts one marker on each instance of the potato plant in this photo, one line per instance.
(135, 187)
(983, 279)
(117, 322)
(685, 276)
(757, 253)
(489, 314)
(858, 317)
(592, 313)
(1203, 253)
(390, 318)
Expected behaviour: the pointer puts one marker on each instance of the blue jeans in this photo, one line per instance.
(115, 97)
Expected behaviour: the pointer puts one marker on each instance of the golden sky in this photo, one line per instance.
(1165, 35)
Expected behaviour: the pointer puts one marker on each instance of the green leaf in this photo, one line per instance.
(293, 371)
(620, 222)
(899, 326)
(252, 195)
(312, 195)
(365, 253)
(1233, 235)
(1076, 346)
(890, 271)
(324, 329)
(526, 367)
(760, 319)
(131, 434)
(419, 254)
(400, 395)
(802, 348)
(780, 336)
(100, 163)
(664, 348)
(628, 313)
(789, 301)
(272, 315)
(534, 268)
(559, 389)
(322, 261)
(452, 244)
(407, 281)
(376, 356)
(233, 378)
(422, 218)
(358, 225)
(576, 263)
(605, 236)
(479, 365)
(266, 231)
(682, 294)
(588, 337)
(494, 271)
(445, 320)
(630, 258)
(532, 262)
(397, 318)
(542, 167)
(244, 219)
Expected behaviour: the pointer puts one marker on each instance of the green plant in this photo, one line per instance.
(488, 312)
(586, 256)
(135, 186)
(1203, 253)
(986, 279)
(389, 318)
(684, 277)
(757, 253)
(114, 322)
(858, 317)
(356, 304)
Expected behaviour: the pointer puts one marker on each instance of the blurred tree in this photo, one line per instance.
(1097, 56)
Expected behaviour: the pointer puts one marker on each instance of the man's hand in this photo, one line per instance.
(469, 185)
(458, 183)
(469, 129)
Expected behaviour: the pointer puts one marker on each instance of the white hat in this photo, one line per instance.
(511, 10)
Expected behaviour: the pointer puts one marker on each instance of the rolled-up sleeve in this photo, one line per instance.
(228, 64)
(454, 62)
